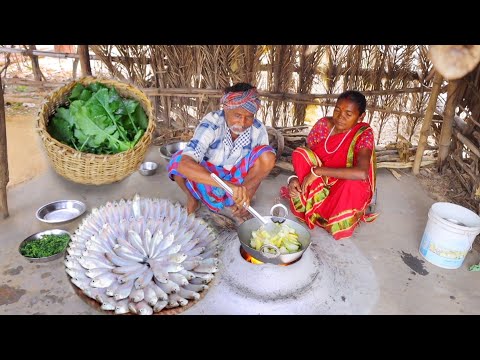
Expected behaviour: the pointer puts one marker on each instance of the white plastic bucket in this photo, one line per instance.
(449, 234)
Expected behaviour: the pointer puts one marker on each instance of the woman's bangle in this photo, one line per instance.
(313, 172)
(290, 178)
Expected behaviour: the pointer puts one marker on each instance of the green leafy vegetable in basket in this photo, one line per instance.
(47, 245)
(286, 239)
(98, 121)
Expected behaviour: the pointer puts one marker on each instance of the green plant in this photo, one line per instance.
(47, 245)
(99, 121)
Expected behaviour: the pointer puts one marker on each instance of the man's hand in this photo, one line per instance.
(240, 195)
(294, 188)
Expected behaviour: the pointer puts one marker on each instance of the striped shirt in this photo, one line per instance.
(213, 142)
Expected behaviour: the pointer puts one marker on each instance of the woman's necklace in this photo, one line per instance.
(341, 142)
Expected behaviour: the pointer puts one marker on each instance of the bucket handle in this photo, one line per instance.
(264, 251)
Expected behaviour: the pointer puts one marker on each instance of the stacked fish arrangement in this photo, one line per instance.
(142, 256)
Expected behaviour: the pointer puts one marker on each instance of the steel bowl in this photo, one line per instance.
(245, 230)
(148, 168)
(167, 150)
(38, 236)
(61, 211)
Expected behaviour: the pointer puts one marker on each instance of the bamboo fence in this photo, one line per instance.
(185, 81)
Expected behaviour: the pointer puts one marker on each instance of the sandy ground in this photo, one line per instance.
(25, 160)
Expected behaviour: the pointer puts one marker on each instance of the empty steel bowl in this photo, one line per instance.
(148, 168)
(60, 211)
(38, 236)
(167, 150)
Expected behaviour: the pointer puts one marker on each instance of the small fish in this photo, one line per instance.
(160, 305)
(103, 280)
(122, 307)
(143, 255)
(143, 308)
(188, 294)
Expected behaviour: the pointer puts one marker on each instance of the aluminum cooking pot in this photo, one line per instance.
(245, 234)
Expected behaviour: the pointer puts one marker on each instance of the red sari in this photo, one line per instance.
(337, 205)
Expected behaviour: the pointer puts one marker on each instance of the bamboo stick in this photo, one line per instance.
(21, 99)
(192, 92)
(476, 135)
(219, 93)
(465, 167)
(385, 152)
(276, 80)
(427, 121)
(460, 177)
(396, 174)
(183, 92)
(446, 131)
(470, 145)
(386, 158)
(32, 83)
(62, 55)
(3, 157)
(400, 165)
(75, 65)
(469, 116)
(294, 136)
(37, 73)
(84, 60)
(290, 128)
(381, 151)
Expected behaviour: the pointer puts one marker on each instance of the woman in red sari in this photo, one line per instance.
(335, 174)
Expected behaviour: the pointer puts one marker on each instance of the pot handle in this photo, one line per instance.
(280, 206)
(264, 251)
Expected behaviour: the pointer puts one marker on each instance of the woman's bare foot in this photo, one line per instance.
(192, 205)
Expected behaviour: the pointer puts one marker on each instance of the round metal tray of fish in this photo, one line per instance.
(38, 236)
(142, 255)
(61, 211)
(167, 150)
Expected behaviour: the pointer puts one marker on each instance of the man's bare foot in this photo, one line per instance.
(192, 205)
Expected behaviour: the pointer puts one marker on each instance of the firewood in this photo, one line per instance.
(400, 165)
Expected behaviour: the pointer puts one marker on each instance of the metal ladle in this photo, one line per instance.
(250, 209)
(269, 226)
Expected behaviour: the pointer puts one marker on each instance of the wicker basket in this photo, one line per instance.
(86, 168)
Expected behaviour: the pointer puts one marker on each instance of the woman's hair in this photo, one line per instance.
(357, 97)
(239, 87)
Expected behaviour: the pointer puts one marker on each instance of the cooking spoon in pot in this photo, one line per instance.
(269, 226)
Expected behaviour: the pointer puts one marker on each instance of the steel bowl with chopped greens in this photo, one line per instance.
(98, 120)
(45, 246)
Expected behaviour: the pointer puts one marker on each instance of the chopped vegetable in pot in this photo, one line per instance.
(286, 239)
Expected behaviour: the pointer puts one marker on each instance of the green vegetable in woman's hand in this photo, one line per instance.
(47, 245)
